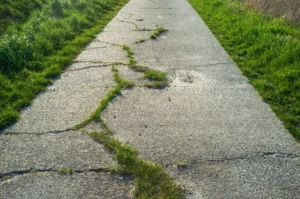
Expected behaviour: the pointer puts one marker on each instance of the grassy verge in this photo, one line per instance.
(17, 11)
(266, 49)
(34, 52)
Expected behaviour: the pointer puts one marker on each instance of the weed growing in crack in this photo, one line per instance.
(120, 80)
(95, 116)
(151, 180)
(160, 79)
(66, 171)
(155, 75)
(140, 41)
(158, 32)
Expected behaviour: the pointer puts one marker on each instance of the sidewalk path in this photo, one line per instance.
(209, 129)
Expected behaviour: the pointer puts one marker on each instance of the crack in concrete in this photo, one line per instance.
(282, 155)
(216, 64)
(91, 62)
(34, 171)
(158, 8)
(245, 158)
(27, 133)
(137, 28)
(98, 40)
(89, 67)
(92, 48)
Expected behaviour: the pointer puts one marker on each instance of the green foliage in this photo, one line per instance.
(39, 49)
(66, 171)
(12, 12)
(266, 49)
(154, 75)
(151, 180)
(158, 32)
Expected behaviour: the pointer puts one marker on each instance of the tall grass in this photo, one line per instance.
(17, 11)
(288, 9)
(266, 49)
(33, 52)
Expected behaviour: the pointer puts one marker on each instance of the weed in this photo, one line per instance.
(265, 48)
(66, 171)
(140, 41)
(151, 180)
(158, 32)
(160, 79)
(155, 75)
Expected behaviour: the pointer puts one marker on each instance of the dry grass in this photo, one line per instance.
(288, 9)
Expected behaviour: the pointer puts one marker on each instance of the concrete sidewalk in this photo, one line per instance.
(209, 129)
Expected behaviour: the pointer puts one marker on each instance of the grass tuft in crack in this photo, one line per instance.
(155, 75)
(66, 171)
(159, 80)
(95, 116)
(151, 180)
(120, 80)
(158, 32)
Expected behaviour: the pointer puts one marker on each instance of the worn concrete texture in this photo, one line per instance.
(209, 129)
(209, 120)
(70, 100)
(51, 185)
(74, 150)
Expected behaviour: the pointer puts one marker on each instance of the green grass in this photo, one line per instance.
(34, 52)
(266, 49)
(157, 32)
(66, 171)
(159, 79)
(12, 12)
(151, 180)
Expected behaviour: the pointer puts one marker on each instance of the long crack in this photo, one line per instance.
(34, 133)
(244, 158)
(151, 181)
(88, 67)
(63, 171)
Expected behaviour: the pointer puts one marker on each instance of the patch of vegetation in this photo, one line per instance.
(155, 75)
(140, 41)
(33, 52)
(160, 79)
(266, 49)
(158, 32)
(95, 116)
(120, 80)
(12, 12)
(151, 180)
(66, 171)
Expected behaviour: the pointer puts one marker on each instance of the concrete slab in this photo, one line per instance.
(260, 177)
(123, 37)
(52, 151)
(69, 101)
(210, 113)
(76, 186)
(113, 54)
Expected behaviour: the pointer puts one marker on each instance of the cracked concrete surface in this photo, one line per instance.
(76, 186)
(209, 129)
(210, 117)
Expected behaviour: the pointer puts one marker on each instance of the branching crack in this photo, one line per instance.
(137, 28)
(89, 67)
